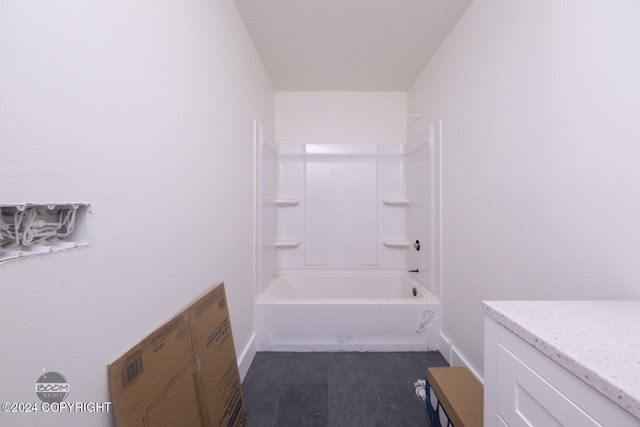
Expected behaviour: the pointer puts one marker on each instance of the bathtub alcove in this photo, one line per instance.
(337, 268)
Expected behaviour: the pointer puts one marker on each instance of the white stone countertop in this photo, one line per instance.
(598, 341)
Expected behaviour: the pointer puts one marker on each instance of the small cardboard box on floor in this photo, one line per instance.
(185, 374)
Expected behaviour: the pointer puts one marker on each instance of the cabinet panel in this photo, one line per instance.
(529, 400)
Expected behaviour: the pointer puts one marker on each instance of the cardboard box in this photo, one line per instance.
(460, 393)
(185, 374)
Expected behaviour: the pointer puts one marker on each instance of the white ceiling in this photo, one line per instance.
(348, 45)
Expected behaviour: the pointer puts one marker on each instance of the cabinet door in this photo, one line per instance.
(529, 400)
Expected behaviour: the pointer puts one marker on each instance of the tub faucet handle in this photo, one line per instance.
(414, 271)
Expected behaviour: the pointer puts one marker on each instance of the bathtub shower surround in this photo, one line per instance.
(341, 215)
(336, 244)
(348, 206)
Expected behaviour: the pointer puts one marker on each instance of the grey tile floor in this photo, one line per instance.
(337, 389)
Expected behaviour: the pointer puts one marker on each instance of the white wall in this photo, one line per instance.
(144, 109)
(540, 103)
(341, 117)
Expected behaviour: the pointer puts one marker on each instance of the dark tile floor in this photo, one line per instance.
(337, 389)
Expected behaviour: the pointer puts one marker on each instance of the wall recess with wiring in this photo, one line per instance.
(31, 229)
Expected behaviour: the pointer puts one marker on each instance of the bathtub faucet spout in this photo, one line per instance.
(414, 271)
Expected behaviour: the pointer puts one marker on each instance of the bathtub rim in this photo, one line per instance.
(429, 296)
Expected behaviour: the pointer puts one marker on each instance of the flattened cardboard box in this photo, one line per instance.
(185, 374)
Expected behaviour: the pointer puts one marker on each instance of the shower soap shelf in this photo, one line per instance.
(396, 243)
(395, 202)
(287, 202)
(287, 243)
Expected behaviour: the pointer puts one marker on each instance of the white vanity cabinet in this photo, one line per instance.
(541, 370)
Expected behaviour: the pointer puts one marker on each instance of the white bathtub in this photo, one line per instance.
(346, 311)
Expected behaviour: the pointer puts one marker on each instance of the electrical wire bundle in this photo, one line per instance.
(30, 226)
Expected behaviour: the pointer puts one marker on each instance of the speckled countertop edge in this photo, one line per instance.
(597, 341)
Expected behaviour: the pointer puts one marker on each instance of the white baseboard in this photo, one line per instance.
(246, 357)
(456, 358)
(444, 347)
